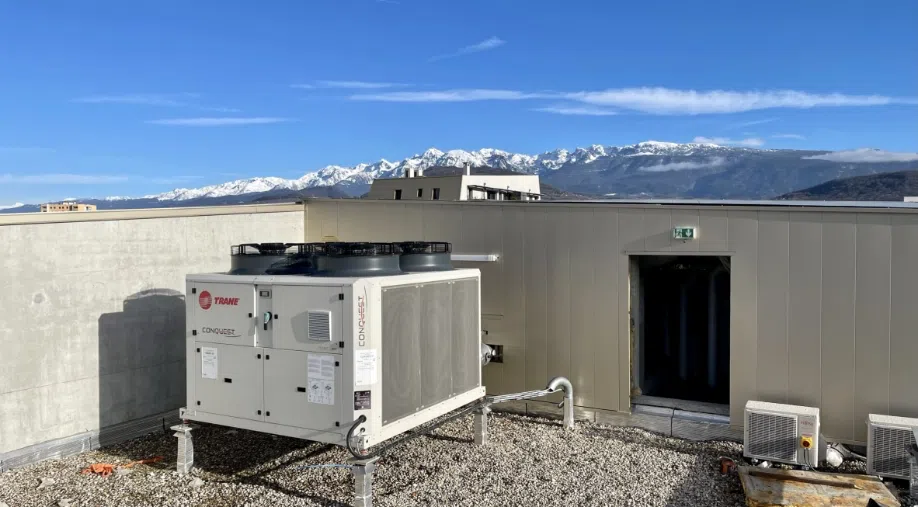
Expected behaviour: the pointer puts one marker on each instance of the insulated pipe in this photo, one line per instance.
(712, 326)
(565, 385)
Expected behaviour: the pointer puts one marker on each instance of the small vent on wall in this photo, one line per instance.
(319, 325)
(772, 436)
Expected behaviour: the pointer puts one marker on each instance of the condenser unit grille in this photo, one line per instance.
(319, 326)
(772, 436)
(889, 455)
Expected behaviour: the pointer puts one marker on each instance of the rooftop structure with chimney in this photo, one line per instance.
(458, 184)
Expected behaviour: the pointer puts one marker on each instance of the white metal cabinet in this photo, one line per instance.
(303, 389)
(229, 380)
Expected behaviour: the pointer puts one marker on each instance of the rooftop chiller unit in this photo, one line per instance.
(306, 356)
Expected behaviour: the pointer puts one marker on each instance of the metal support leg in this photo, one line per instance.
(362, 471)
(481, 425)
(185, 448)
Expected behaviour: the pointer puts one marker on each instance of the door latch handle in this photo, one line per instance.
(267, 319)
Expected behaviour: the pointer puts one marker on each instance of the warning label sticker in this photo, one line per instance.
(209, 362)
(321, 392)
(365, 372)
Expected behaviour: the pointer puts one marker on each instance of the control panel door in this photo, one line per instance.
(303, 389)
(308, 318)
(229, 380)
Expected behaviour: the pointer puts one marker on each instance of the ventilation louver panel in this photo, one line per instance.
(319, 325)
(782, 433)
(887, 439)
(773, 436)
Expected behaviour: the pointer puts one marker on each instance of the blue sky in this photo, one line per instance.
(107, 97)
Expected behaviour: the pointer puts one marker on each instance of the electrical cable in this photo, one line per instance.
(486, 401)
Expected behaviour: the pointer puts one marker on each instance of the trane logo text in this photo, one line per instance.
(361, 321)
(206, 300)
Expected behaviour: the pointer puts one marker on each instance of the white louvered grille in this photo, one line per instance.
(772, 436)
(889, 455)
(319, 326)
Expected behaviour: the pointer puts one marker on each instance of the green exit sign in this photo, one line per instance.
(684, 233)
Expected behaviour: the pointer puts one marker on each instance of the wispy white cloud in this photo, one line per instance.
(789, 136)
(140, 99)
(155, 100)
(470, 95)
(691, 102)
(663, 101)
(11, 206)
(350, 85)
(865, 155)
(62, 179)
(485, 45)
(683, 166)
(218, 122)
(752, 122)
(577, 110)
(752, 142)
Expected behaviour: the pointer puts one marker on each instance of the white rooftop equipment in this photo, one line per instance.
(352, 344)
(888, 439)
(307, 356)
(782, 433)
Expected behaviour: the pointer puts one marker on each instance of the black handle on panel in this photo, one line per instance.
(228, 380)
(267, 318)
(301, 389)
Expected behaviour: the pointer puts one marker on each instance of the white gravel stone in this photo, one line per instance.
(528, 462)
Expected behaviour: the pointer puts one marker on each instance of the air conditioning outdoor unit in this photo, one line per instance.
(887, 439)
(782, 433)
(364, 340)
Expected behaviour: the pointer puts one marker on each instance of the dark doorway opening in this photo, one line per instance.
(682, 329)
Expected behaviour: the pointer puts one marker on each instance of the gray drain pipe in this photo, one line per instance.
(568, 403)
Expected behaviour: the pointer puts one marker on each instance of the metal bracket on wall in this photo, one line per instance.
(475, 257)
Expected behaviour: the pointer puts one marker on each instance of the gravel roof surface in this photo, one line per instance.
(528, 462)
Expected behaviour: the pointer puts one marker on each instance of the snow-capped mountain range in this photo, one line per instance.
(644, 170)
(364, 174)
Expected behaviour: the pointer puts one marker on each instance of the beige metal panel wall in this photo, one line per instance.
(903, 322)
(94, 328)
(822, 300)
(804, 308)
(609, 307)
(743, 232)
(839, 264)
(871, 319)
(771, 299)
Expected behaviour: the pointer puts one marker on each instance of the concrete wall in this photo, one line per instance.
(823, 300)
(93, 326)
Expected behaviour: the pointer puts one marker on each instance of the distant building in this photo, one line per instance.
(462, 187)
(59, 207)
(911, 199)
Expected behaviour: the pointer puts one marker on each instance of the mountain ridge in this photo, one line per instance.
(649, 169)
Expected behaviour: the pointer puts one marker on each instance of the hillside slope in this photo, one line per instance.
(875, 187)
